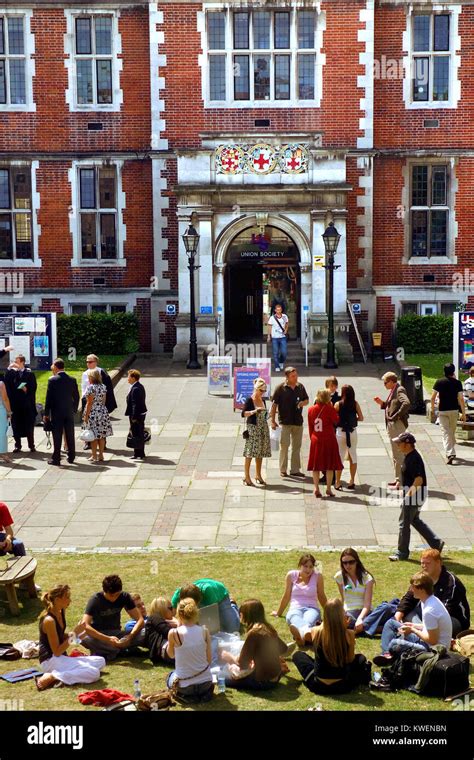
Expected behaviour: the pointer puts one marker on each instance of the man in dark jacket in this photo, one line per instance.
(447, 587)
(20, 383)
(62, 400)
(136, 411)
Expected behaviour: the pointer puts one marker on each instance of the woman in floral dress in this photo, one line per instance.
(96, 416)
(257, 444)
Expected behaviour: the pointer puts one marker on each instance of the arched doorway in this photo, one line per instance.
(262, 268)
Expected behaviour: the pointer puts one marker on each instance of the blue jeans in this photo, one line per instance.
(229, 616)
(353, 615)
(303, 618)
(279, 351)
(391, 641)
(18, 547)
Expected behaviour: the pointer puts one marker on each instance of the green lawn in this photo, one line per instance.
(75, 369)
(247, 575)
(432, 367)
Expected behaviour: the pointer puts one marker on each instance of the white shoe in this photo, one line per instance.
(277, 369)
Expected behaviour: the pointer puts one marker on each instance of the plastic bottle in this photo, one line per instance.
(137, 692)
(221, 682)
(377, 676)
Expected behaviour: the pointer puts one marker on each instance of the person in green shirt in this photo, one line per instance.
(206, 591)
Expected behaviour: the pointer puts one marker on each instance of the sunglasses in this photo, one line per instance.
(348, 561)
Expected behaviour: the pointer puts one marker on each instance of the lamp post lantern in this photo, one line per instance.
(331, 239)
(191, 243)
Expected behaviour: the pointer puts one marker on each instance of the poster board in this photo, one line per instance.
(243, 384)
(463, 340)
(219, 375)
(264, 366)
(32, 334)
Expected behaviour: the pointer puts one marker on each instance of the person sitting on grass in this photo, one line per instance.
(259, 665)
(130, 624)
(205, 592)
(336, 669)
(355, 586)
(190, 645)
(304, 588)
(54, 643)
(104, 635)
(158, 624)
(435, 628)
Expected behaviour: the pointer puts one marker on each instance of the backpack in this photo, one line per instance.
(404, 671)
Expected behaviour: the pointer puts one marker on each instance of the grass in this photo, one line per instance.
(248, 575)
(74, 368)
(431, 367)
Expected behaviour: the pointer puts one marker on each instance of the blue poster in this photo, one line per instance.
(466, 340)
(243, 384)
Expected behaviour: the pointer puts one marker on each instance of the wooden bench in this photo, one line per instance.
(18, 570)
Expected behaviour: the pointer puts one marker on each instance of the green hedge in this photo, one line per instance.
(97, 333)
(425, 335)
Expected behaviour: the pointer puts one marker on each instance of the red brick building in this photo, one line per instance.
(259, 121)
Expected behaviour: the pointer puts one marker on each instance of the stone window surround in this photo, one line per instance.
(74, 218)
(452, 232)
(35, 227)
(29, 106)
(229, 50)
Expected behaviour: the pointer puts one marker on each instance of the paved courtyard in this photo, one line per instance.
(189, 492)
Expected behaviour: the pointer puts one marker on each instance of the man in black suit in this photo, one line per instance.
(136, 411)
(62, 400)
(20, 383)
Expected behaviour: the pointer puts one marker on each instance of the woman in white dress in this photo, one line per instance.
(54, 643)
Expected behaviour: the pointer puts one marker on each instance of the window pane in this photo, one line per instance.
(2, 38)
(441, 32)
(104, 81)
(241, 31)
(421, 77)
(99, 308)
(22, 307)
(282, 77)
(261, 30)
(447, 309)
(6, 307)
(439, 223)
(282, 29)
(87, 188)
(4, 189)
(421, 33)
(83, 36)
(6, 250)
(88, 238)
(78, 308)
(24, 249)
(3, 84)
(118, 308)
(241, 77)
(21, 188)
(103, 35)
(16, 45)
(261, 77)
(306, 65)
(438, 186)
(419, 233)
(216, 30)
(108, 245)
(419, 191)
(17, 80)
(441, 77)
(107, 187)
(217, 89)
(306, 27)
(409, 308)
(84, 81)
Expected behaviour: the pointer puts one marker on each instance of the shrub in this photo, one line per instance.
(98, 333)
(432, 334)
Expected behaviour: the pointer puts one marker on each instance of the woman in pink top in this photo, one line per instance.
(304, 587)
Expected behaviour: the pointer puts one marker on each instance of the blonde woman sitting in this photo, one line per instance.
(159, 623)
(190, 645)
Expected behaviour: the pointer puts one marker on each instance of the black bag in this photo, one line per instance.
(133, 442)
(449, 676)
(404, 671)
(245, 434)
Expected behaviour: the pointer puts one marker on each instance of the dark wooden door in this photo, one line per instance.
(244, 303)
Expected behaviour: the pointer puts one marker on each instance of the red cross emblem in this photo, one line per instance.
(229, 159)
(262, 159)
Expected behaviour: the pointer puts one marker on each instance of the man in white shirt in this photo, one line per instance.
(469, 393)
(277, 332)
(436, 626)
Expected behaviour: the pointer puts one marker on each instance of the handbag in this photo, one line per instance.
(162, 700)
(9, 430)
(275, 438)
(87, 435)
(147, 435)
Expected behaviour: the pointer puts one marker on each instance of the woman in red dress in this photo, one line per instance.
(324, 451)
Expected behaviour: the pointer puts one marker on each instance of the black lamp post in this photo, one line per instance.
(331, 239)
(191, 243)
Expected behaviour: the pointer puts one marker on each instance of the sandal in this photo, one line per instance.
(351, 486)
(260, 481)
(318, 494)
(247, 483)
(47, 681)
(338, 488)
(329, 494)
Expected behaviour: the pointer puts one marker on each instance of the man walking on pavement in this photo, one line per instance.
(277, 334)
(62, 400)
(396, 408)
(450, 392)
(415, 493)
(289, 398)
